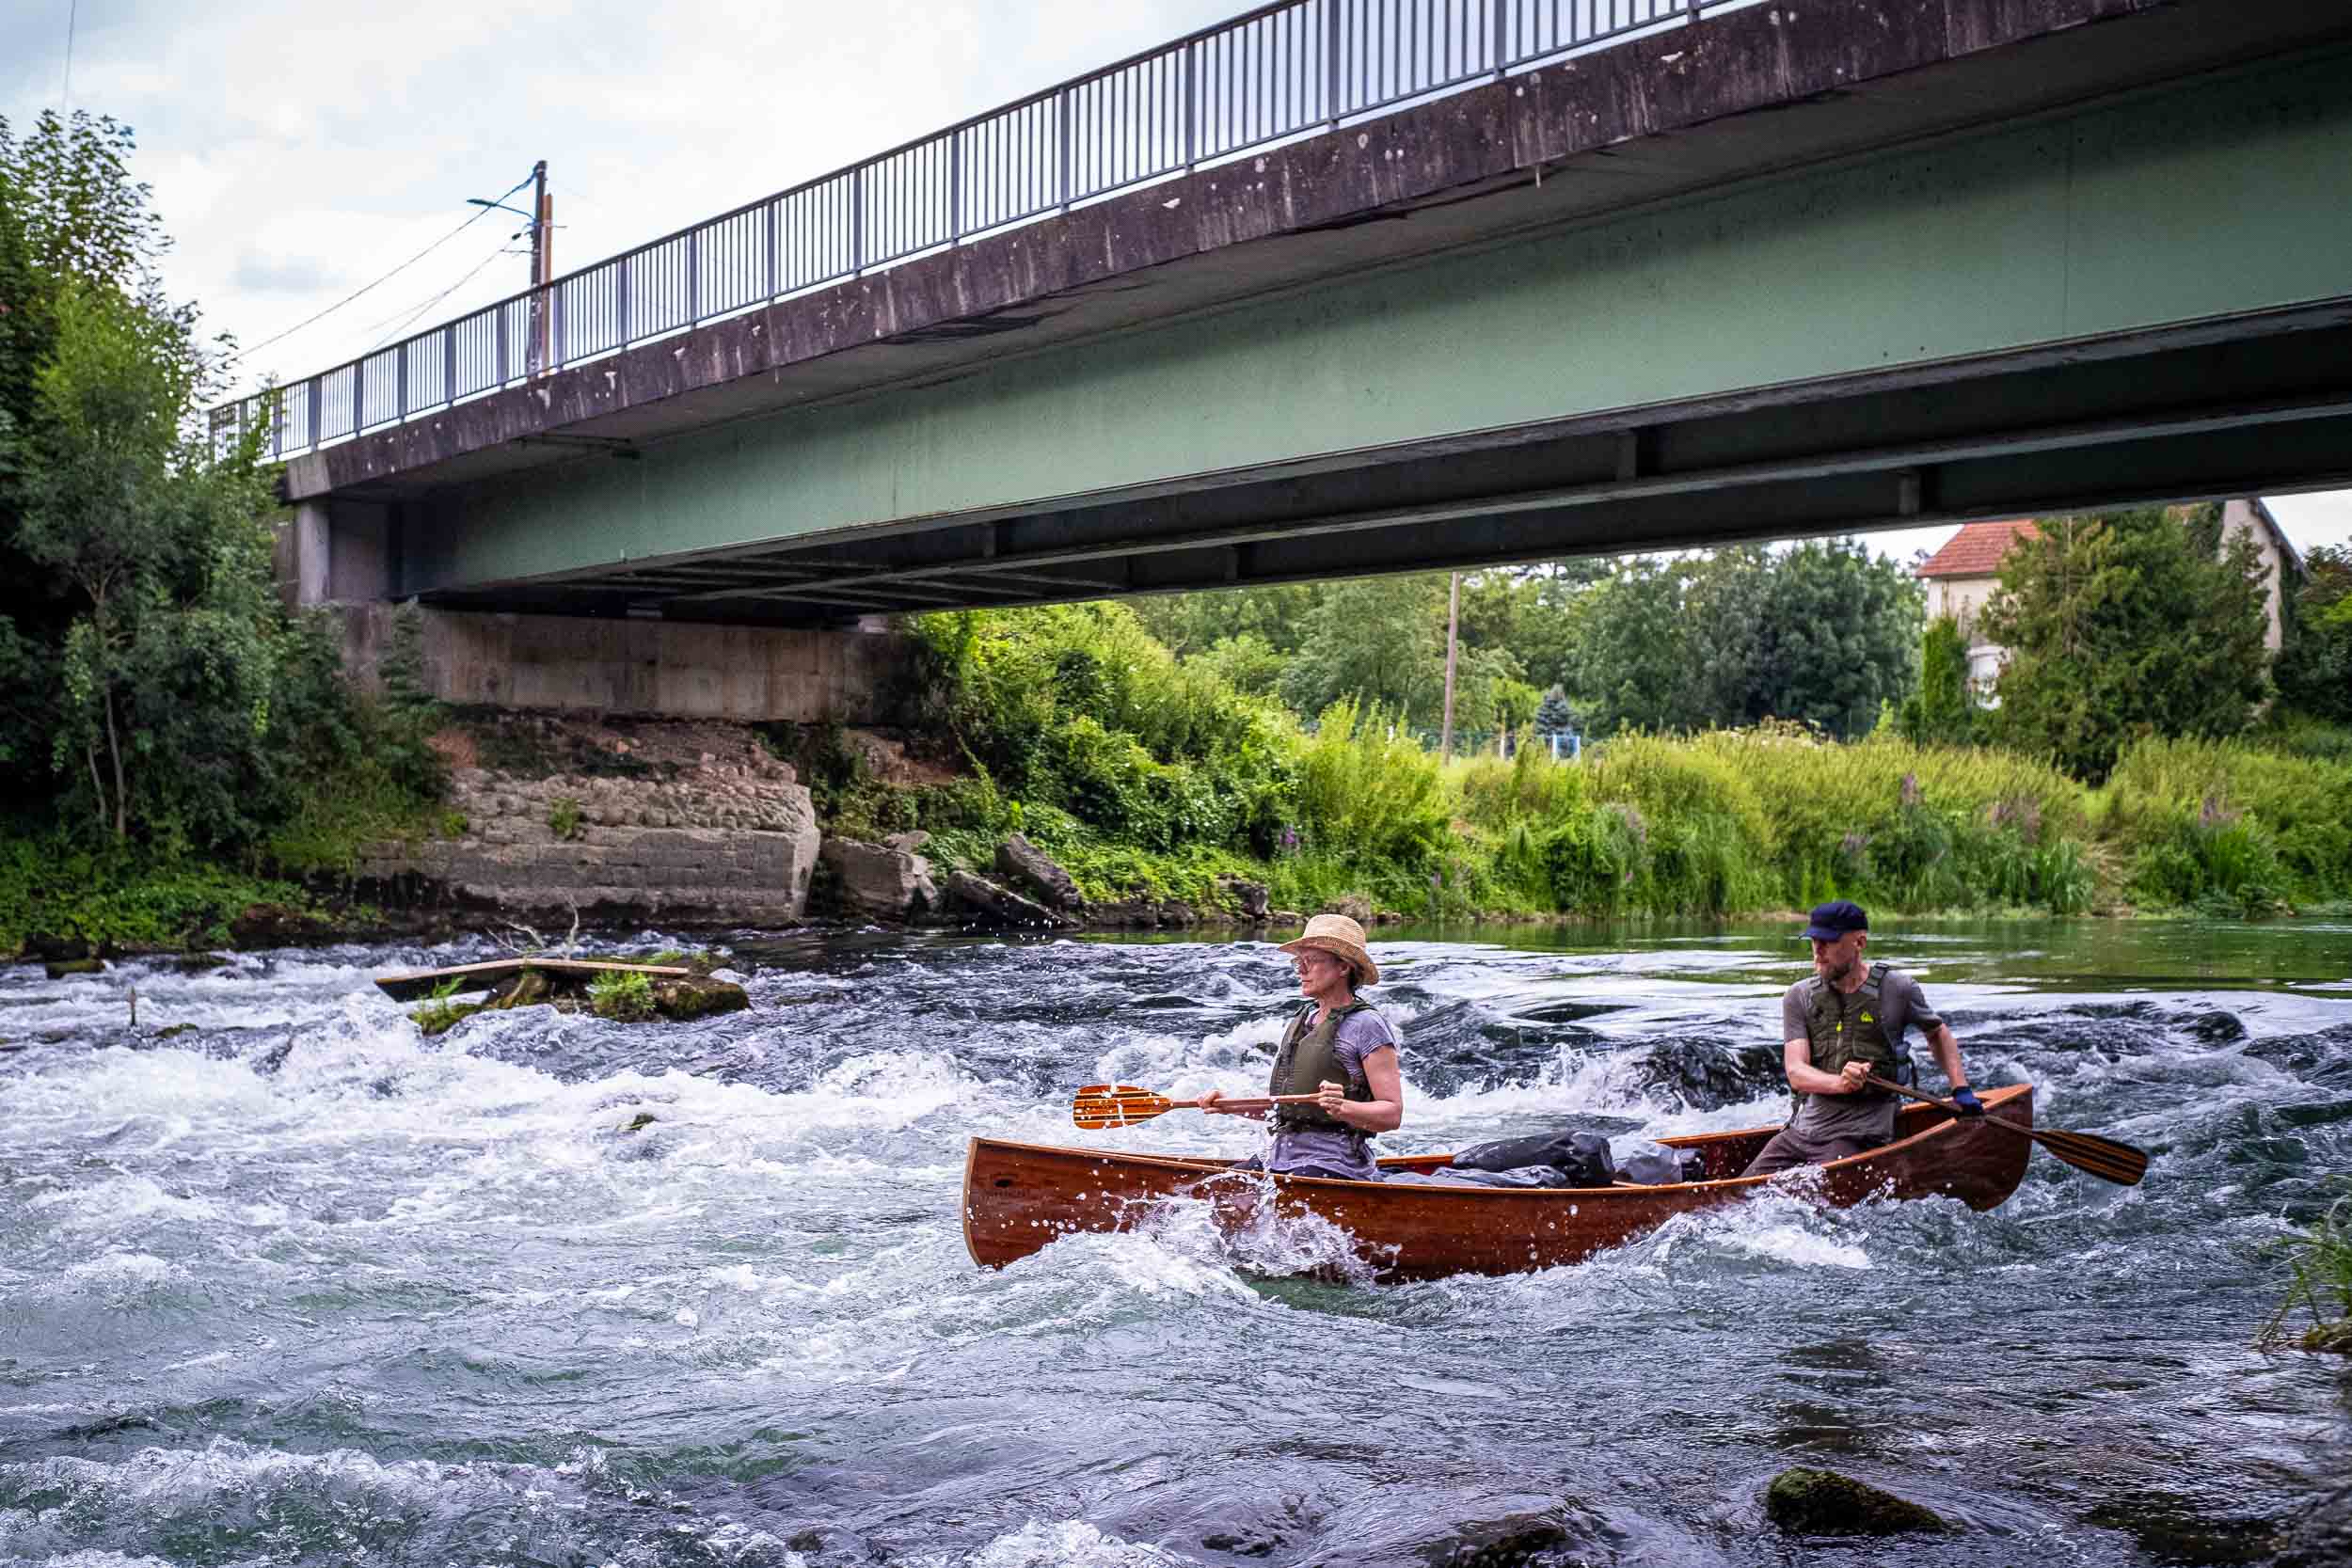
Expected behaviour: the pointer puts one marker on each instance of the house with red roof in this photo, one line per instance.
(1966, 572)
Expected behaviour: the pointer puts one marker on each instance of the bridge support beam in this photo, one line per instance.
(644, 669)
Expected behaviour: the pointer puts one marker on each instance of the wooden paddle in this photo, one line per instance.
(2104, 1158)
(1101, 1105)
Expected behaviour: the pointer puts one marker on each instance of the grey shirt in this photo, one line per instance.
(1903, 1005)
(1336, 1148)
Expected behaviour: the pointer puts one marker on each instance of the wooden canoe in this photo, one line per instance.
(1019, 1197)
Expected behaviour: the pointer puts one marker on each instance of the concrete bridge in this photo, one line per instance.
(1729, 272)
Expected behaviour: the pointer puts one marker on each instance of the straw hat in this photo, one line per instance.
(1342, 939)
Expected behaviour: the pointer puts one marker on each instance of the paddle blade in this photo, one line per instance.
(2104, 1158)
(1102, 1105)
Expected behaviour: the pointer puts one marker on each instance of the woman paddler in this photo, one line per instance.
(1339, 1049)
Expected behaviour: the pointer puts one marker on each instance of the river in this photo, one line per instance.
(297, 1286)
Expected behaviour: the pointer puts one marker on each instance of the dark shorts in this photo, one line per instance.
(1791, 1147)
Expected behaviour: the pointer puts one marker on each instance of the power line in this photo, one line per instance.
(474, 272)
(72, 14)
(388, 276)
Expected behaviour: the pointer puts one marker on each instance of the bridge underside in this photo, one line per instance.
(2147, 298)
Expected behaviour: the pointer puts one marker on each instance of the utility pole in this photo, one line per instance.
(538, 353)
(1452, 621)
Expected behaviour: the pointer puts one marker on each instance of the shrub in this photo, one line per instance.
(625, 996)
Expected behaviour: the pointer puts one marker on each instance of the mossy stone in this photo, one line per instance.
(60, 968)
(175, 1031)
(699, 997)
(1806, 1501)
(641, 1120)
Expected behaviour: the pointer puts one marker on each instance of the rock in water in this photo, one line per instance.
(698, 996)
(987, 899)
(1025, 862)
(879, 881)
(1822, 1502)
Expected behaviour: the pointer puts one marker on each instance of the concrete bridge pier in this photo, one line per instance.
(345, 555)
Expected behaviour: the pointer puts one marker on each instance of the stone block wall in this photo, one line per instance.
(729, 843)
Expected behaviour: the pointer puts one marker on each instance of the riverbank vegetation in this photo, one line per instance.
(1152, 776)
(175, 745)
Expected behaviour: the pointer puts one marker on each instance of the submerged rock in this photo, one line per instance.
(1806, 1501)
(58, 968)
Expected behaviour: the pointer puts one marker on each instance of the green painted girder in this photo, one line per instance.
(2220, 198)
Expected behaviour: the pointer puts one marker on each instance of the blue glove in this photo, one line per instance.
(1966, 1099)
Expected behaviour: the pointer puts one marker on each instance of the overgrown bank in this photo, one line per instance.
(1153, 778)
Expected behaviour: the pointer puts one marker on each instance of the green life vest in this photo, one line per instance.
(1846, 1026)
(1306, 1059)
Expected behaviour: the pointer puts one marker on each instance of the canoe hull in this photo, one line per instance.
(1020, 1197)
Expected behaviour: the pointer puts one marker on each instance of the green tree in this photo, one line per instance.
(1380, 640)
(1630, 666)
(1942, 711)
(1191, 624)
(151, 684)
(2314, 670)
(2123, 626)
(1553, 716)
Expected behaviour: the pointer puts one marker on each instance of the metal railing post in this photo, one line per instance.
(693, 275)
(857, 220)
(449, 364)
(400, 382)
(1495, 39)
(563, 332)
(955, 187)
(1192, 104)
(359, 394)
(775, 234)
(1331, 60)
(499, 328)
(311, 395)
(620, 301)
(1064, 96)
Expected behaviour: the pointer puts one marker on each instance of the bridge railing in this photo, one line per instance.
(1284, 69)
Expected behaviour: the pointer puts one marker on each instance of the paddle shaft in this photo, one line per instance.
(2104, 1158)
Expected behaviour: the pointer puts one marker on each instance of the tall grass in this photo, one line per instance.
(2319, 1284)
(1159, 777)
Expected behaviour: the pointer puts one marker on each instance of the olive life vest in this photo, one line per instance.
(1844, 1027)
(1306, 1058)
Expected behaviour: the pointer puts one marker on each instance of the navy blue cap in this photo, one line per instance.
(1834, 919)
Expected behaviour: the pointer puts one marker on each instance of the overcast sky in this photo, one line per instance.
(298, 150)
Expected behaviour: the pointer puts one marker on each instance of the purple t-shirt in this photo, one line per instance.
(1337, 1149)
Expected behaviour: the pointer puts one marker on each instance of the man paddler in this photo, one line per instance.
(1841, 1026)
(1339, 1049)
